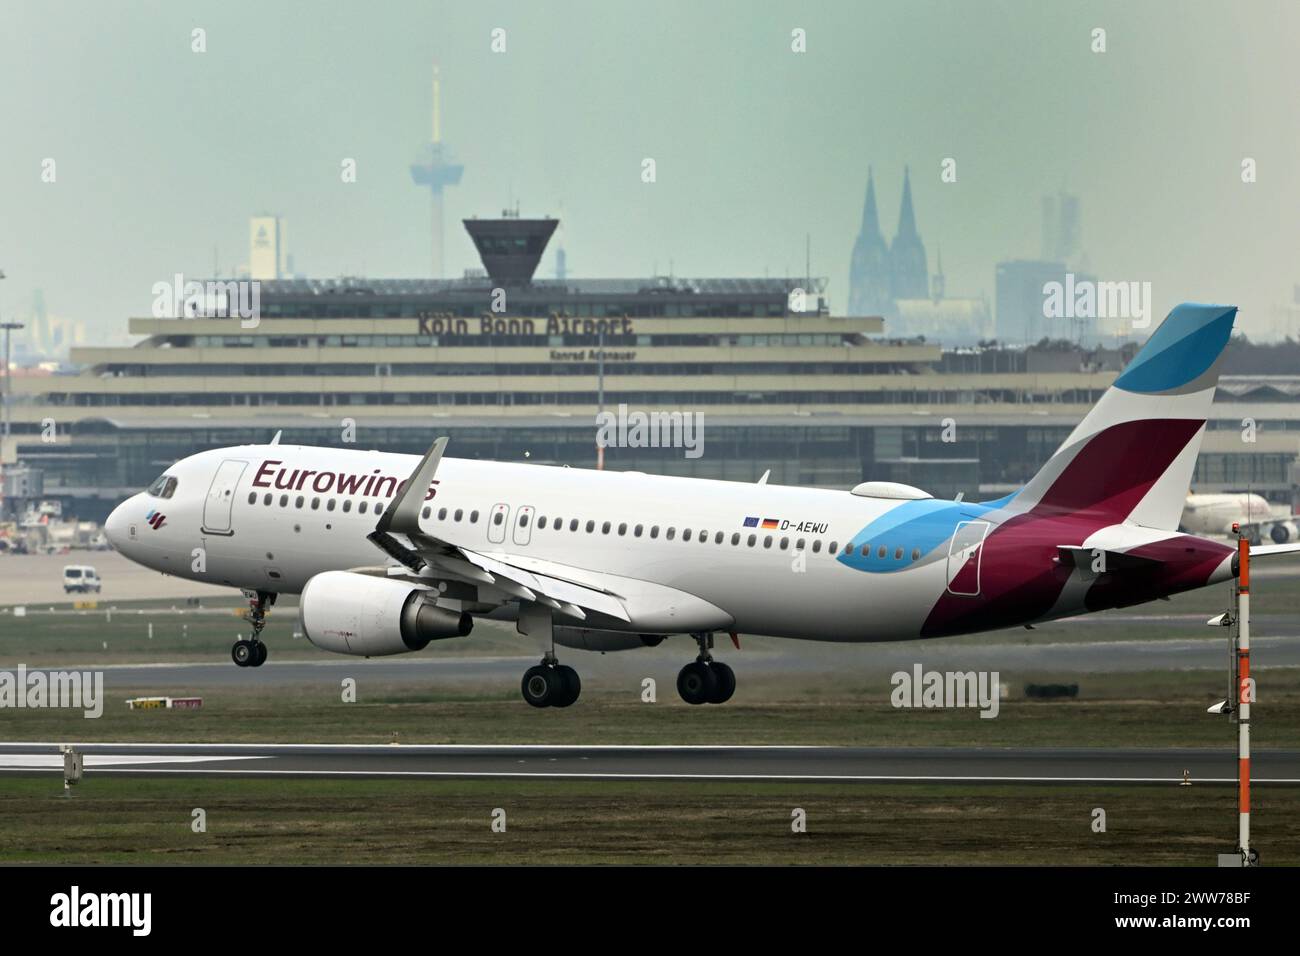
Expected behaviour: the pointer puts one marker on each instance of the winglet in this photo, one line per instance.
(766, 475)
(276, 439)
(404, 515)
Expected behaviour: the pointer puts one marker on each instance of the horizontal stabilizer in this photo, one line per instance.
(1269, 550)
(1102, 558)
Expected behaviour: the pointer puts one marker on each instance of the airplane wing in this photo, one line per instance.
(570, 591)
(1270, 520)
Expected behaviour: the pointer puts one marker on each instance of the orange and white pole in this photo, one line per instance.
(1244, 695)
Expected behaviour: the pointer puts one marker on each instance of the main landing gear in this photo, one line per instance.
(704, 680)
(550, 683)
(252, 652)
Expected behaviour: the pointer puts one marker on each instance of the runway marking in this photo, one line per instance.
(103, 761)
(781, 778)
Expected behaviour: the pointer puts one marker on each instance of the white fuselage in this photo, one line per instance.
(1217, 513)
(683, 533)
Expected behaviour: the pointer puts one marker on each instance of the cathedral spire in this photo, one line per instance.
(906, 218)
(869, 269)
(870, 218)
(909, 278)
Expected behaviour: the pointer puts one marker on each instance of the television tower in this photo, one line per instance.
(434, 167)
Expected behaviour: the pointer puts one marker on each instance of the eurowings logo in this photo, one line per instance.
(156, 519)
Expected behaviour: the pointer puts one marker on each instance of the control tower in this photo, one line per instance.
(435, 168)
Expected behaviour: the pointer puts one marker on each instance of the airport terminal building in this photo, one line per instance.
(513, 367)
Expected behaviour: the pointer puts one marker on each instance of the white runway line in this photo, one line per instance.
(94, 761)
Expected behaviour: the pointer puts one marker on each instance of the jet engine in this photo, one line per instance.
(587, 639)
(1282, 532)
(369, 616)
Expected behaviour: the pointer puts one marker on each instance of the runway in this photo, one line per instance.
(956, 765)
(1075, 660)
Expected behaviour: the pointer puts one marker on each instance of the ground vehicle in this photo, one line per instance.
(81, 578)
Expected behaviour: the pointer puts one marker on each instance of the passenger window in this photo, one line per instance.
(496, 518)
(604, 528)
(735, 538)
(686, 534)
(800, 545)
(347, 505)
(379, 507)
(591, 526)
(460, 513)
(817, 546)
(252, 497)
(284, 501)
(752, 539)
(315, 504)
(866, 550)
(834, 546)
(767, 541)
(541, 523)
(880, 552)
(523, 518)
(898, 554)
(654, 531)
(916, 554)
(298, 501)
(622, 528)
(363, 506)
(717, 538)
(573, 524)
(329, 505)
(266, 500)
(473, 517)
(636, 532)
(672, 533)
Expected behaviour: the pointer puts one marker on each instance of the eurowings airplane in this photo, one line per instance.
(390, 552)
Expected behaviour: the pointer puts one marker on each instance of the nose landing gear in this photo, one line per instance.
(252, 652)
(706, 681)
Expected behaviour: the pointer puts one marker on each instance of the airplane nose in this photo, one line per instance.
(115, 528)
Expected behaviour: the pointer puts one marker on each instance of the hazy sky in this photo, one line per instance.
(163, 154)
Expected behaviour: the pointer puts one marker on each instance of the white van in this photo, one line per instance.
(81, 578)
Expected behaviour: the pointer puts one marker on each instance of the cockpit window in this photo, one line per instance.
(163, 487)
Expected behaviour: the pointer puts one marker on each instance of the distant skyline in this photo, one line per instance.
(162, 154)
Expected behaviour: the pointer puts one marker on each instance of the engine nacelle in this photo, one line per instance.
(587, 639)
(1282, 532)
(369, 616)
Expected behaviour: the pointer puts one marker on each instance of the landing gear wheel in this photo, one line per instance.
(697, 683)
(243, 654)
(252, 652)
(572, 685)
(726, 683)
(542, 686)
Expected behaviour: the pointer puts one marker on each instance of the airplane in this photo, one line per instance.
(389, 552)
(1217, 514)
